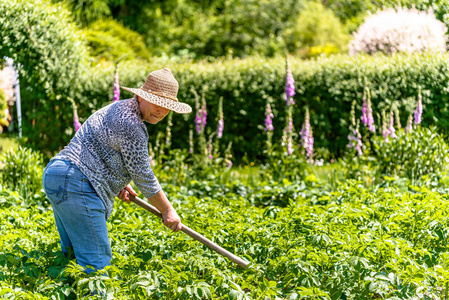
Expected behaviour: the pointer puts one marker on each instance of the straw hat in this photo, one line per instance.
(161, 89)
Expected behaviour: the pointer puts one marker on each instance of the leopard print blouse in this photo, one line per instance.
(111, 149)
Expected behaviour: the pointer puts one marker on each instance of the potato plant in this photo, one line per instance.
(353, 243)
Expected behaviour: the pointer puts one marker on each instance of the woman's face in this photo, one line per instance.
(151, 113)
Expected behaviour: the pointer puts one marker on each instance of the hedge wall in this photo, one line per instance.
(328, 86)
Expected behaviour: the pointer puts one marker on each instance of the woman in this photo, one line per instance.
(108, 152)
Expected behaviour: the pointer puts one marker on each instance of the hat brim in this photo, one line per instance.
(178, 107)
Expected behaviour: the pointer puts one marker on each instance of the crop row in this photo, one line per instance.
(357, 244)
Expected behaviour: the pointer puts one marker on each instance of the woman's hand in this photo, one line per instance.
(171, 219)
(124, 194)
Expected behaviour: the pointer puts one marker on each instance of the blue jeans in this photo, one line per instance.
(79, 214)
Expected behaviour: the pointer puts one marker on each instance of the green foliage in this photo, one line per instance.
(353, 243)
(210, 28)
(110, 40)
(316, 31)
(40, 37)
(85, 12)
(420, 152)
(22, 169)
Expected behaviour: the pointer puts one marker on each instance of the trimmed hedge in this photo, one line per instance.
(54, 68)
(327, 85)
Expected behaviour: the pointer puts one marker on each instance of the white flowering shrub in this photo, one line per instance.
(399, 30)
(7, 78)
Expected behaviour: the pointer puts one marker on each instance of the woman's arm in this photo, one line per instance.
(170, 217)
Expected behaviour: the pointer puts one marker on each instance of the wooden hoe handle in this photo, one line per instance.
(195, 235)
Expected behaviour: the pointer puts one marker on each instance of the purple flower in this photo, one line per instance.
(290, 146)
(76, 121)
(200, 118)
(229, 164)
(367, 113)
(364, 109)
(220, 127)
(418, 110)
(289, 87)
(391, 129)
(268, 119)
(204, 117)
(116, 88)
(385, 127)
(221, 121)
(306, 136)
(355, 140)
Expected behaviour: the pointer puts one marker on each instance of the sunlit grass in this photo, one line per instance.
(7, 142)
(331, 173)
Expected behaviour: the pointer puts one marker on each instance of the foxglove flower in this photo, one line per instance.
(268, 118)
(220, 128)
(116, 88)
(289, 87)
(200, 118)
(76, 121)
(391, 129)
(418, 110)
(367, 113)
(220, 121)
(306, 135)
(355, 140)
(385, 127)
(354, 137)
(290, 146)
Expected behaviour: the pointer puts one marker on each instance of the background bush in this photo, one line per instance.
(400, 30)
(51, 54)
(316, 30)
(110, 40)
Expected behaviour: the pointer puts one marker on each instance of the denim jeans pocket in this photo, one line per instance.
(55, 180)
(55, 187)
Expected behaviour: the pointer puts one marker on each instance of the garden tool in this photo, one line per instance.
(195, 235)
